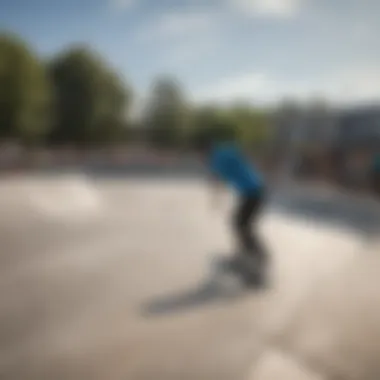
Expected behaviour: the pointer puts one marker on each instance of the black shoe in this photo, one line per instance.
(255, 280)
(255, 271)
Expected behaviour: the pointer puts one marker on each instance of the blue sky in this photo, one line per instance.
(222, 50)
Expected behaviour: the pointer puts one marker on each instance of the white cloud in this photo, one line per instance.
(190, 52)
(354, 85)
(363, 30)
(253, 87)
(183, 37)
(178, 24)
(122, 4)
(267, 8)
(359, 84)
(246, 86)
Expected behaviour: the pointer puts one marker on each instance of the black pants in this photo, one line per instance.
(244, 218)
(376, 182)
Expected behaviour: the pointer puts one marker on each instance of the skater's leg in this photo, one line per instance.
(253, 255)
(242, 225)
(257, 245)
(239, 222)
(245, 224)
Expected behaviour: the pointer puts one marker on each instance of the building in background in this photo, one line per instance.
(319, 141)
(356, 143)
(302, 135)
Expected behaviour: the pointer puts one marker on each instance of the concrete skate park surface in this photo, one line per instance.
(103, 277)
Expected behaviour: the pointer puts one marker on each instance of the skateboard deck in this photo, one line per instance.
(247, 271)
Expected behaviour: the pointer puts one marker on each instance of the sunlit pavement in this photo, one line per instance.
(107, 279)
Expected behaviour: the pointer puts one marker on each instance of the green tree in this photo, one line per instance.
(252, 124)
(25, 94)
(241, 123)
(167, 113)
(91, 101)
(211, 124)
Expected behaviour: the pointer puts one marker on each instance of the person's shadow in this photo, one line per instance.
(216, 289)
(207, 293)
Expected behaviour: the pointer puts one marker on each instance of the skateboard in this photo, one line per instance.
(248, 271)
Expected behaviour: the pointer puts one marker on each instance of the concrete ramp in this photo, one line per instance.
(277, 365)
(81, 258)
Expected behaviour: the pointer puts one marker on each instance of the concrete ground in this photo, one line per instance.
(108, 279)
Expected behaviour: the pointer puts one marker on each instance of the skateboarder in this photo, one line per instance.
(228, 165)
